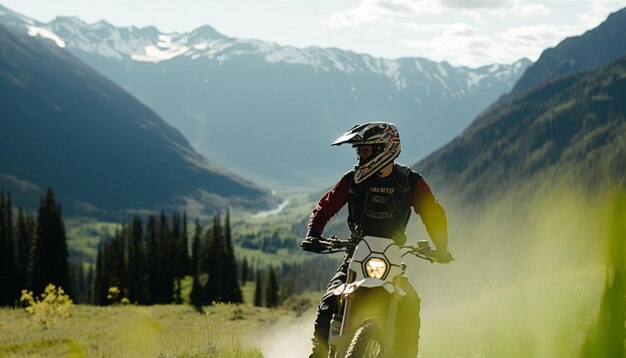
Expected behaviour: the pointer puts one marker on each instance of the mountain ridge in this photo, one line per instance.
(594, 48)
(291, 102)
(572, 126)
(68, 127)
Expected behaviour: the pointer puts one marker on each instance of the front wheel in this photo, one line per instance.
(367, 341)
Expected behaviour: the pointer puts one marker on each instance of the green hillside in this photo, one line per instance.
(594, 48)
(573, 126)
(67, 127)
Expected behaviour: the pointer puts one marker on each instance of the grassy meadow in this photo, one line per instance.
(135, 331)
(222, 330)
(533, 277)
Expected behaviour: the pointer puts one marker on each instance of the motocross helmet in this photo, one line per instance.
(385, 142)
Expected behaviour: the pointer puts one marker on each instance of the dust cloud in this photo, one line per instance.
(290, 336)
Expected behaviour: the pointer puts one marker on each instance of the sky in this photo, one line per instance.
(463, 32)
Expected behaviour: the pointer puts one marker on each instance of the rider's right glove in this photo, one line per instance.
(312, 243)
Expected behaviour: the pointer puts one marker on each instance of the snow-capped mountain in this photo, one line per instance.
(270, 111)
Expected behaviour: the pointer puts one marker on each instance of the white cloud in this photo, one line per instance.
(523, 10)
(600, 9)
(392, 11)
(532, 40)
(475, 4)
(383, 11)
(459, 44)
(368, 11)
(463, 44)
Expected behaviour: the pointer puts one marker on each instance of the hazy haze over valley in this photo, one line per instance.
(269, 112)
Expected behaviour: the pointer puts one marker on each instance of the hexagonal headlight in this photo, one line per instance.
(376, 267)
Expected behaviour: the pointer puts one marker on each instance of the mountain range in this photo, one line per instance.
(558, 119)
(67, 127)
(558, 122)
(270, 111)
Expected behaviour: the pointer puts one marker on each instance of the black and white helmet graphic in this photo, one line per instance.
(385, 142)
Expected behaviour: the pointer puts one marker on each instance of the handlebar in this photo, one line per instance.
(328, 245)
(334, 244)
(423, 251)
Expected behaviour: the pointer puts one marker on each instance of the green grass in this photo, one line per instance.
(136, 331)
(84, 234)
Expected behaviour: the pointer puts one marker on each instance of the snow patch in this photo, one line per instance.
(288, 55)
(392, 70)
(473, 79)
(373, 64)
(38, 31)
(418, 66)
(154, 54)
(164, 41)
(442, 70)
(494, 68)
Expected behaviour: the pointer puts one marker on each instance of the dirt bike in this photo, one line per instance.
(368, 301)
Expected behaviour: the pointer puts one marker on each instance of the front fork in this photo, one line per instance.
(338, 340)
(390, 331)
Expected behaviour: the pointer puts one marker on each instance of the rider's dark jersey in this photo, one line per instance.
(382, 206)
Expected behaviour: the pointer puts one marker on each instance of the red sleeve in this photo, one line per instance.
(432, 214)
(329, 205)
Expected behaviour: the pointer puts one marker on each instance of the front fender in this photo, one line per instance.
(346, 289)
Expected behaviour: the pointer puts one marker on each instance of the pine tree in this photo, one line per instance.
(197, 289)
(153, 261)
(184, 248)
(90, 284)
(271, 289)
(50, 254)
(177, 261)
(24, 232)
(166, 257)
(79, 282)
(258, 290)
(101, 282)
(138, 265)
(8, 272)
(231, 292)
(195, 249)
(214, 260)
(244, 271)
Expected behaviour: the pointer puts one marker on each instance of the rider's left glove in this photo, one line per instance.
(442, 256)
(312, 242)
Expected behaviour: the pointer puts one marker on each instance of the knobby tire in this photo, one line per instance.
(367, 341)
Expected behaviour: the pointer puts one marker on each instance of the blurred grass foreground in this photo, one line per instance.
(536, 275)
(606, 339)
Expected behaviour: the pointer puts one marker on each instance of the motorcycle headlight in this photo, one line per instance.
(376, 267)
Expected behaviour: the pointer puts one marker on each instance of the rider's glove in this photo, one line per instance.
(442, 256)
(312, 242)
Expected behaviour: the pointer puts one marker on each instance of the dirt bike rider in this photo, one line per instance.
(379, 194)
